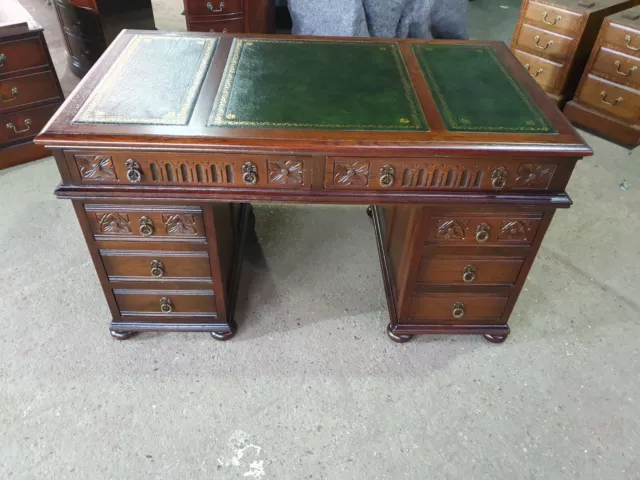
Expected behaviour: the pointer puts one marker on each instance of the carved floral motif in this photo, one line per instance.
(288, 172)
(535, 175)
(115, 223)
(96, 167)
(351, 173)
(514, 230)
(179, 224)
(451, 230)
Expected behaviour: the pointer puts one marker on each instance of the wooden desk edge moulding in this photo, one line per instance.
(461, 178)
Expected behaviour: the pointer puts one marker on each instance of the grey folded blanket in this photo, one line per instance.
(380, 18)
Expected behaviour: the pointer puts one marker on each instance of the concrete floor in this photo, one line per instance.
(311, 387)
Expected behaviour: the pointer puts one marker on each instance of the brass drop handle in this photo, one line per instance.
(146, 227)
(249, 173)
(617, 101)
(157, 269)
(27, 123)
(134, 174)
(499, 178)
(3, 58)
(483, 232)
(541, 47)
(14, 95)
(387, 176)
(166, 305)
(555, 20)
(626, 74)
(215, 10)
(224, 30)
(469, 274)
(628, 39)
(538, 71)
(458, 310)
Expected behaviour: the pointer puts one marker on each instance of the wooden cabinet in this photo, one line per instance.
(29, 88)
(608, 98)
(230, 16)
(89, 26)
(553, 40)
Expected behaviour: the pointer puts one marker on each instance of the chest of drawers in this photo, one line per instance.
(608, 98)
(231, 16)
(553, 40)
(29, 89)
(89, 26)
(464, 177)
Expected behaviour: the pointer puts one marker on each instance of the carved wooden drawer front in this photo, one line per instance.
(146, 223)
(436, 174)
(166, 303)
(623, 102)
(544, 42)
(160, 266)
(440, 269)
(456, 308)
(19, 91)
(627, 40)
(235, 25)
(553, 18)
(213, 7)
(21, 55)
(544, 71)
(217, 170)
(617, 66)
(490, 229)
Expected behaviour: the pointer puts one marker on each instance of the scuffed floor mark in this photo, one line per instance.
(244, 452)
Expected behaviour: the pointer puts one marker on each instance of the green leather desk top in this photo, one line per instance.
(316, 84)
(295, 94)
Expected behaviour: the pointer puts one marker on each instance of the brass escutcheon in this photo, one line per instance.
(387, 176)
(27, 123)
(458, 310)
(483, 232)
(499, 178)
(157, 269)
(555, 20)
(146, 227)
(215, 10)
(617, 101)
(528, 68)
(469, 274)
(547, 45)
(626, 74)
(628, 39)
(134, 174)
(14, 95)
(249, 173)
(166, 305)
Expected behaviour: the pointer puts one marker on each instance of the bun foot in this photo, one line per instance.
(494, 338)
(224, 336)
(397, 338)
(370, 211)
(121, 335)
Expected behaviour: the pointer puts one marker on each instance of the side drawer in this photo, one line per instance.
(27, 89)
(627, 40)
(244, 171)
(21, 55)
(553, 17)
(545, 43)
(461, 309)
(617, 66)
(165, 303)
(235, 25)
(146, 223)
(481, 229)
(158, 266)
(213, 7)
(357, 173)
(617, 100)
(25, 123)
(442, 269)
(545, 72)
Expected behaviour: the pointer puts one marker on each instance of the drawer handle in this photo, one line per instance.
(458, 310)
(547, 45)
(166, 305)
(534, 75)
(215, 10)
(469, 274)
(483, 231)
(499, 178)
(157, 269)
(387, 176)
(628, 39)
(626, 74)
(146, 227)
(3, 58)
(134, 175)
(14, 95)
(224, 30)
(617, 101)
(27, 123)
(555, 20)
(249, 173)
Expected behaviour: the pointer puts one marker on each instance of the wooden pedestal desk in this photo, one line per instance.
(170, 136)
